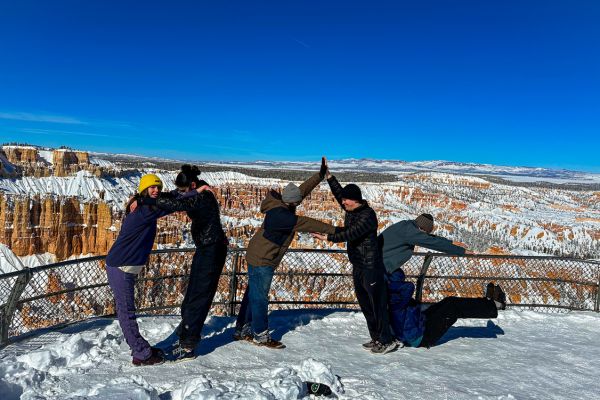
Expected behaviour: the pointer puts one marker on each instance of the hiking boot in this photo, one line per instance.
(245, 333)
(239, 335)
(489, 291)
(270, 343)
(384, 348)
(156, 358)
(369, 345)
(500, 297)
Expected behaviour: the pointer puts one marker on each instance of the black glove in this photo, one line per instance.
(323, 169)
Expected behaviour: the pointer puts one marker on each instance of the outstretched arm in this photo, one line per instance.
(437, 243)
(353, 232)
(307, 224)
(313, 181)
(197, 202)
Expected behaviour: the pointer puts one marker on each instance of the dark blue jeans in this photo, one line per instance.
(255, 303)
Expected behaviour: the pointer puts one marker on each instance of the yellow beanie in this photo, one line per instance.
(147, 181)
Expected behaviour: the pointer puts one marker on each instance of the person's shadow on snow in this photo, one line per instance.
(218, 331)
(490, 331)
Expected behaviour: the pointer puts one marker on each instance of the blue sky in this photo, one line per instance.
(501, 82)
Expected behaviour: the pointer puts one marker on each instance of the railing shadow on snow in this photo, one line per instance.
(70, 291)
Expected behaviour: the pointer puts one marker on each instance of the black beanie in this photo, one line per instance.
(425, 222)
(351, 192)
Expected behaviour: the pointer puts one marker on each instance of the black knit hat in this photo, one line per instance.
(351, 192)
(425, 222)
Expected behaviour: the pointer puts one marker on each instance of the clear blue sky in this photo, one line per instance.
(501, 82)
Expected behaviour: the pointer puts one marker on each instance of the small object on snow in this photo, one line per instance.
(318, 389)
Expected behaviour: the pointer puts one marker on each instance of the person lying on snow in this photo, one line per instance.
(412, 326)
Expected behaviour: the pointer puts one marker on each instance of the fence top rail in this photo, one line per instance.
(40, 268)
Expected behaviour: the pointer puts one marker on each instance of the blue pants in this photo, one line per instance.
(255, 303)
(123, 285)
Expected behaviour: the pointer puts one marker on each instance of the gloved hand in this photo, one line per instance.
(323, 169)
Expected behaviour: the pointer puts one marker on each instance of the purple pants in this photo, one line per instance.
(122, 285)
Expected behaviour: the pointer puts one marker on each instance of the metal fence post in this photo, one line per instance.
(421, 278)
(235, 264)
(597, 305)
(7, 311)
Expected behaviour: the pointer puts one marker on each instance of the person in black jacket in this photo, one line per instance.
(209, 258)
(364, 253)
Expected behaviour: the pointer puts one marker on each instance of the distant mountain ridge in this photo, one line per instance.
(399, 167)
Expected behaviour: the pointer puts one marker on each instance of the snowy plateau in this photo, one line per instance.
(519, 355)
(47, 195)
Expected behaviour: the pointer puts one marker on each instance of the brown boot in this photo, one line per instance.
(270, 343)
(156, 358)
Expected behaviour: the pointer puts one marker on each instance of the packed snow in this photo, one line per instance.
(521, 354)
(9, 262)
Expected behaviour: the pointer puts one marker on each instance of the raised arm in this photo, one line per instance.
(313, 181)
(336, 189)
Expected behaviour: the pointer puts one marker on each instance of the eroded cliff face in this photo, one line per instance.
(67, 162)
(60, 162)
(487, 217)
(61, 226)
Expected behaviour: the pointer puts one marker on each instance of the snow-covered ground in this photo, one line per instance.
(521, 355)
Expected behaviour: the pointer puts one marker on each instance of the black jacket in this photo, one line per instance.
(203, 210)
(360, 231)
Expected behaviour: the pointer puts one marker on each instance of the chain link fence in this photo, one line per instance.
(72, 291)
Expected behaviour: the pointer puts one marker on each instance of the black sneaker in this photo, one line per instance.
(500, 297)
(156, 358)
(369, 345)
(489, 291)
(384, 348)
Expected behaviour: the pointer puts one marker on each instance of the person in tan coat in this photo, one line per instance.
(265, 251)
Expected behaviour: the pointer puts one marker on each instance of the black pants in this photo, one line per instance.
(371, 292)
(207, 266)
(442, 315)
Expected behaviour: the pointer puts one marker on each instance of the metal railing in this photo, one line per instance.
(71, 291)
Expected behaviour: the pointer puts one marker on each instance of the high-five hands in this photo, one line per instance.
(324, 171)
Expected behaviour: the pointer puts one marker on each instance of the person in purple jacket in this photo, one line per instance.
(126, 258)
